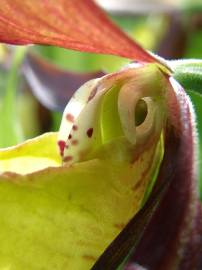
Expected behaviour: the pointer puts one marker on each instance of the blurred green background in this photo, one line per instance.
(173, 31)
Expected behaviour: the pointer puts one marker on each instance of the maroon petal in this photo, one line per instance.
(52, 86)
(78, 25)
(173, 239)
(133, 266)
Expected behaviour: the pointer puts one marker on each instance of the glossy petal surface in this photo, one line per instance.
(78, 25)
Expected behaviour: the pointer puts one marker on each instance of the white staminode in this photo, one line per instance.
(74, 108)
(82, 112)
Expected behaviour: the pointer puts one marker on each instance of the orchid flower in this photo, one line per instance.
(116, 188)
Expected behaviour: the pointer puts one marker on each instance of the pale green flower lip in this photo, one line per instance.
(31, 156)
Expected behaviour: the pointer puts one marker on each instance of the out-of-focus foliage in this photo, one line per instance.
(80, 62)
(10, 124)
(193, 48)
(17, 107)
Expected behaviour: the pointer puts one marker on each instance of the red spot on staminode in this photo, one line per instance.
(70, 117)
(75, 127)
(67, 158)
(74, 142)
(61, 145)
(89, 132)
(67, 146)
(89, 258)
(70, 136)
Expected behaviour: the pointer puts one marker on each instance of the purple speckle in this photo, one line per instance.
(75, 127)
(89, 132)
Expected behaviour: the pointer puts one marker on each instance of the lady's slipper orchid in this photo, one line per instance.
(120, 174)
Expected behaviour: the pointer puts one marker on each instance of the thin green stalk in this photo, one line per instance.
(11, 132)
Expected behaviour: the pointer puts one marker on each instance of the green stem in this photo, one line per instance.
(11, 132)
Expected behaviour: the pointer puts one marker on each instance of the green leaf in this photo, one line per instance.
(196, 99)
(188, 73)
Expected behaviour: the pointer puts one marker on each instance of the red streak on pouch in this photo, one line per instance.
(67, 158)
(89, 132)
(74, 142)
(75, 127)
(61, 145)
